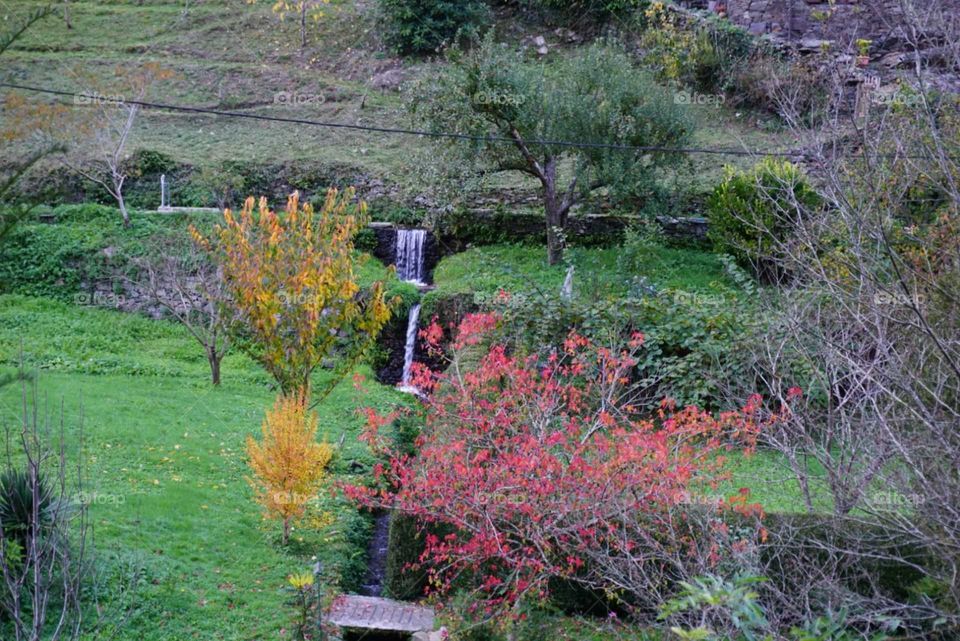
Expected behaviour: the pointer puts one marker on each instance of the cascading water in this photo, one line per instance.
(410, 347)
(410, 245)
(410, 268)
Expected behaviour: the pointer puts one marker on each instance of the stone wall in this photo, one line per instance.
(842, 22)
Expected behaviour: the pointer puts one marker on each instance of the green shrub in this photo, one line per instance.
(16, 504)
(749, 211)
(586, 10)
(421, 26)
(706, 55)
(405, 545)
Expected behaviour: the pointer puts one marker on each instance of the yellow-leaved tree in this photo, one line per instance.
(288, 465)
(290, 279)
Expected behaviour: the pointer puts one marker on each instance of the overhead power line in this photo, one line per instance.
(440, 134)
(411, 132)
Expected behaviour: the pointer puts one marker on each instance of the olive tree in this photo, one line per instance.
(521, 116)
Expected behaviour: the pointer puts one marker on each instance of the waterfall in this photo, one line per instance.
(411, 346)
(409, 259)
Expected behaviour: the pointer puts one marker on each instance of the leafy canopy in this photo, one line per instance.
(595, 96)
(290, 277)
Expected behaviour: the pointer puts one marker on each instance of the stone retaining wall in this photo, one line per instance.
(842, 22)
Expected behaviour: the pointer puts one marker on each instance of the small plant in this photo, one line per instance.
(18, 516)
(289, 466)
(713, 598)
(302, 585)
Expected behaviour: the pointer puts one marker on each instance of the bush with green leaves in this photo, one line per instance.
(587, 10)
(750, 212)
(691, 340)
(423, 26)
(705, 55)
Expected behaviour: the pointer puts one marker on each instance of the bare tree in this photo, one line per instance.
(100, 155)
(181, 280)
(43, 533)
(867, 319)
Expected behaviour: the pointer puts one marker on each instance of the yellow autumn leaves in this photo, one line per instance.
(291, 280)
(289, 465)
(291, 288)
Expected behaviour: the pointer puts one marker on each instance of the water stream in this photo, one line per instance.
(409, 260)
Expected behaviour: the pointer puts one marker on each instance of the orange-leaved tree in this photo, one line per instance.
(288, 464)
(290, 277)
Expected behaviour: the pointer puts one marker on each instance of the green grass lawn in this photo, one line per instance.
(164, 461)
(598, 272)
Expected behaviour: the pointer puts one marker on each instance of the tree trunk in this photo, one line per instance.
(123, 209)
(553, 208)
(303, 24)
(214, 359)
(286, 531)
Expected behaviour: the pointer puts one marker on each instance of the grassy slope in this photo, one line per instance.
(597, 271)
(164, 455)
(232, 57)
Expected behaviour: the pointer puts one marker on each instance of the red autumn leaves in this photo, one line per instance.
(531, 468)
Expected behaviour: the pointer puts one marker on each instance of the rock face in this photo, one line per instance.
(842, 22)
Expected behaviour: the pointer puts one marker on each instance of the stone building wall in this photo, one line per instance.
(841, 21)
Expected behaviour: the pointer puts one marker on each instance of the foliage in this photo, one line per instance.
(749, 211)
(289, 466)
(522, 457)
(735, 611)
(714, 596)
(692, 309)
(705, 55)
(588, 10)
(422, 26)
(595, 96)
(290, 278)
(18, 518)
(222, 183)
